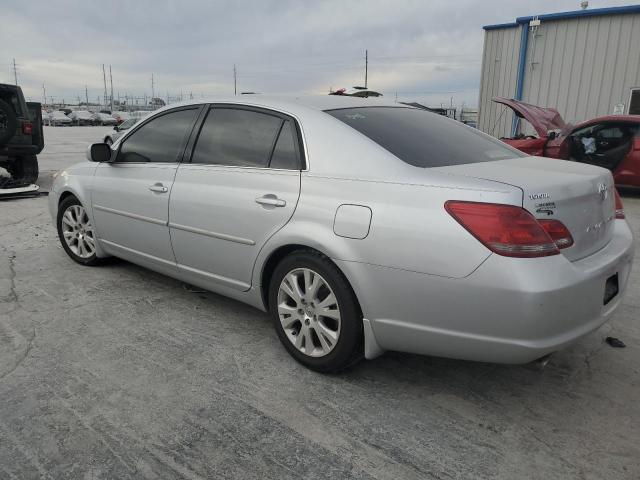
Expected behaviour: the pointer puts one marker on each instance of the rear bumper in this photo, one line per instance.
(17, 149)
(507, 311)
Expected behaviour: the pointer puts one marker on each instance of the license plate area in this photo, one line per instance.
(610, 288)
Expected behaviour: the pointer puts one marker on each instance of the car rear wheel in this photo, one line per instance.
(315, 312)
(76, 232)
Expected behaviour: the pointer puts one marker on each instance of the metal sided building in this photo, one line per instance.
(584, 63)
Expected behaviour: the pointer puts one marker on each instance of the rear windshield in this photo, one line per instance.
(424, 139)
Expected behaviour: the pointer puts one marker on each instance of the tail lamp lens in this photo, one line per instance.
(27, 128)
(558, 233)
(619, 206)
(504, 229)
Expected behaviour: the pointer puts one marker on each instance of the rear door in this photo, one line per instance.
(130, 195)
(240, 187)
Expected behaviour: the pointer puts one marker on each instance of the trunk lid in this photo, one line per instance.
(542, 119)
(580, 196)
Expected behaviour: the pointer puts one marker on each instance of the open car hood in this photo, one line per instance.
(542, 119)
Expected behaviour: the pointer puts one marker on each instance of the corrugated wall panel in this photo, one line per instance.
(499, 72)
(581, 66)
(584, 66)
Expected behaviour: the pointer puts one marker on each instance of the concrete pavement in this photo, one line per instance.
(116, 372)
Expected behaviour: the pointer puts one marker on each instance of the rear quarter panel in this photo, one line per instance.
(409, 229)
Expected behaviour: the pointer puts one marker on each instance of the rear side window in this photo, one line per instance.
(237, 137)
(424, 139)
(285, 155)
(162, 139)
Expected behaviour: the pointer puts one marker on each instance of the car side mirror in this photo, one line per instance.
(99, 152)
(116, 128)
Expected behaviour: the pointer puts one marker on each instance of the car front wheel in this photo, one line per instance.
(315, 312)
(76, 232)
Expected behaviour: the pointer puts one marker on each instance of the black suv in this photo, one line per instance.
(21, 135)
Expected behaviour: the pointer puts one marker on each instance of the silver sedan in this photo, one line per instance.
(359, 225)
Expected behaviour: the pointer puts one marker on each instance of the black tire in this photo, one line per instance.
(24, 168)
(8, 122)
(349, 347)
(64, 205)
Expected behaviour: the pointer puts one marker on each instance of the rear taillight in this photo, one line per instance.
(27, 128)
(558, 233)
(504, 229)
(619, 206)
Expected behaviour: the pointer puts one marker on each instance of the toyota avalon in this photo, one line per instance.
(360, 225)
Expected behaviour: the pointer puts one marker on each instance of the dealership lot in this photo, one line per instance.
(118, 372)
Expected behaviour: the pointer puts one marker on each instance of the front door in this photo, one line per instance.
(130, 196)
(240, 188)
(603, 144)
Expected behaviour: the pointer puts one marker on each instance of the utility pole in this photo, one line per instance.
(44, 94)
(86, 95)
(153, 88)
(15, 72)
(104, 79)
(235, 80)
(366, 67)
(111, 81)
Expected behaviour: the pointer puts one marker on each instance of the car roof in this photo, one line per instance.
(292, 103)
(610, 118)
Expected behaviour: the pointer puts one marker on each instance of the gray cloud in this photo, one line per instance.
(423, 50)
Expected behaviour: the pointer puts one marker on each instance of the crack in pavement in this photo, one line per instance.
(14, 298)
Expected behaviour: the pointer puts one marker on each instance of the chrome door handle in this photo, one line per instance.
(159, 188)
(271, 200)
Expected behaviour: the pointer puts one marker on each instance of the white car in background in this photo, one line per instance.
(119, 130)
(120, 116)
(82, 117)
(138, 114)
(56, 118)
(103, 119)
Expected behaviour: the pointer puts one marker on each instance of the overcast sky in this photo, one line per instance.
(426, 50)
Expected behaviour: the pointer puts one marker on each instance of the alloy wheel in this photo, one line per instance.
(309, 312)
(78, 232)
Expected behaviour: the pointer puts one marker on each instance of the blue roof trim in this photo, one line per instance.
(500, 25)
(593, 12)
(522, 62)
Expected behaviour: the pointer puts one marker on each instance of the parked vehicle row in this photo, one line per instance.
(68, 117)
(360, 225)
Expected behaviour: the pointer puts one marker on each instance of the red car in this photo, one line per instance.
(611, 141)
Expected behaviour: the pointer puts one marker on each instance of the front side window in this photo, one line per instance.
(160, 140)
(237, 137)
(424, 139)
